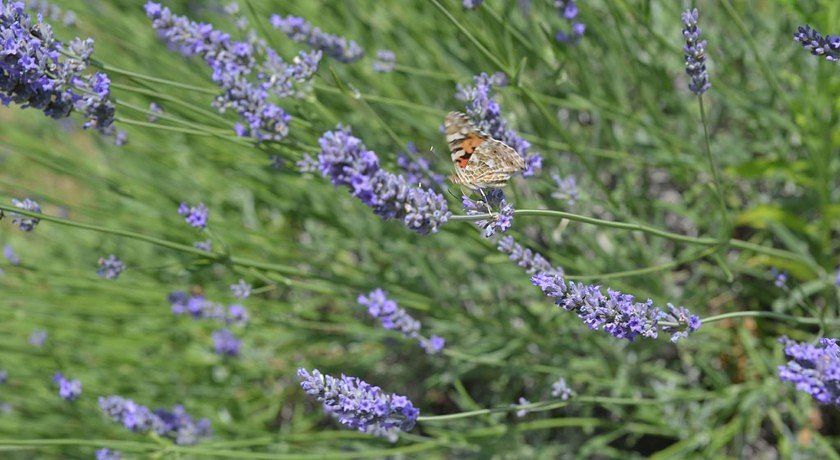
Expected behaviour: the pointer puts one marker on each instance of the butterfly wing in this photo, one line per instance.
(480, 161)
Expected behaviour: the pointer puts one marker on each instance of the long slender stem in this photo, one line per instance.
(701, 241)
(163, 81)
(770, 315)
(724, 211)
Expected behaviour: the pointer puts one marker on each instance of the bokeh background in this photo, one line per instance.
(613, 111)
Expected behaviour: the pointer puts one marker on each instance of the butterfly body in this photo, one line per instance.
(480, 161)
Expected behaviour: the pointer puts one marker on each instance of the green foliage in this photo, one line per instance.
(614, 111)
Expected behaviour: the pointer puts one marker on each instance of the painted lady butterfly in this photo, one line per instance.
(480, 161)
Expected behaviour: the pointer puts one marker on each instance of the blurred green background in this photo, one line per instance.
(614, 111)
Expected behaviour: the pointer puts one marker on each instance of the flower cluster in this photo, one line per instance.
(38, 71)
(533, 262)
(359, 405)
(559, 389)
(486, 113)
(68, 389)
(814, 369)
(241, 290)
(200, 308)
(471, 4)
(779, 278)
(568, 11)
(615, 313)
(345, 160)
(391, 316)
(196, 215)
(248, 72)
(501, 221)
(225, 343)
(25, 223)
(154, 110)
(301, 31)
(813, 41)
(110, 268)
(108, 454)
(52, 12)
(10, 255)
(695, 53)
(417, 169)
(385, 61)
(37, 338)
(566, 189)
(206, 245)
(174, 424)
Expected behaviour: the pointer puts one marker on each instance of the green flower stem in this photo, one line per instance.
(701, 241)
(771, 315)
(471, 37)
(167, 117)
(223, 122)
(542, 406)
(724, 211)
(644, 271)
(163, 81)
(213, 256)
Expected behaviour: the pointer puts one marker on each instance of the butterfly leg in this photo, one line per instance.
(486, 201)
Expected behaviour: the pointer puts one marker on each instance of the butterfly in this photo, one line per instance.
(480, 161)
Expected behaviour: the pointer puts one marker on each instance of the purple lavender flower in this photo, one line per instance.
(25, 223)
(237, 314)
(110, 268)
(837, 278)
(108, 454)
(615, 313)
(241, 290)
(307, 164)
(155, 110)
(779, 278)
(173, 424)
(486, 113)
(560, 389)
(385, 61)
(301, 31)
(566, 189)
(813, 41)
(120, 138)
(69, 390)
(417, 169)
(568, 11)
(522, 411)
(391, 316)
(37, 338)
(10, 255)
(433, 345)
(246, 83)
(4, 376)
(500, 222)
(196, 215)
(695, 53)
(52, 12)
(225, 343)
(359, 405)
(814, 369)
(38, 71)
(206, 245)
(346, 161)
(471, 4)
(531, 261)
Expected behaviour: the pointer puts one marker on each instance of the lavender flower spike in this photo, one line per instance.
(111, 267)
(69, 390)
(695, 53)
(501, 222)
(532, 262)
(385, 61)
(174, 424)
(25, 223)
(108, 454)
(569, 10)
(196, 215)
(301, 31)
(346, 161)
(359, 405)
(813, 41)
(391, 316)
(814, 369)
(615, 313)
